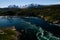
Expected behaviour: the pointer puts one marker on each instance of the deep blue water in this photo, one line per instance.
(20, 22)
(27, 22)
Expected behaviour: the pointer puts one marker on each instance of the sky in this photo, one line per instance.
(5, 3)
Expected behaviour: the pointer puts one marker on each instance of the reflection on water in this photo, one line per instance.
(21, 22)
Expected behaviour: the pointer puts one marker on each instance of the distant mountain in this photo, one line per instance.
(35, 6)
(43, 6)
(13, 6)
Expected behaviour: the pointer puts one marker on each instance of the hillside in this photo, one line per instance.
(50, 13)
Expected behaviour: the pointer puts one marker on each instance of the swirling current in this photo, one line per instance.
(43, 30)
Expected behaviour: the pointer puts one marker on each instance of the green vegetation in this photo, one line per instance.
(51, 13)
(7, 34)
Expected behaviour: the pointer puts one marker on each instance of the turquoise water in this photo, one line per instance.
(44, 29)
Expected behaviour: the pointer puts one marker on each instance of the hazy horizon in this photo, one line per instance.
(5, 3)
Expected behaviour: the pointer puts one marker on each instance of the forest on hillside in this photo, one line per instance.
(51, 12)
(32, 19)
